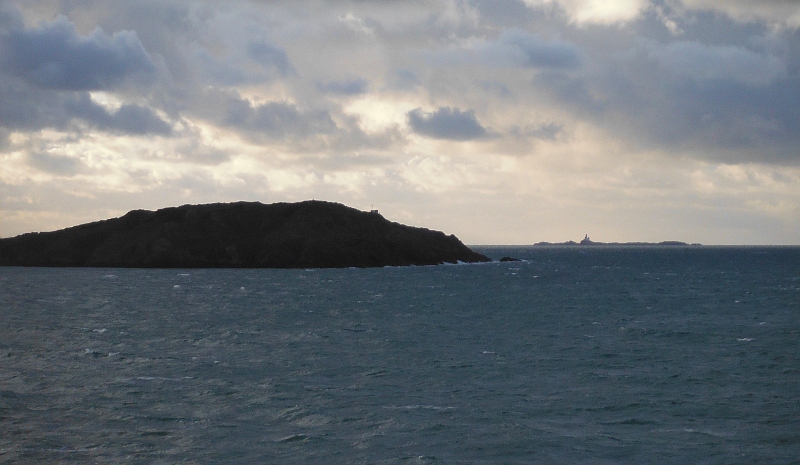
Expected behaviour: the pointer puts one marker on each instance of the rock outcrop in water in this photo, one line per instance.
(311, 234)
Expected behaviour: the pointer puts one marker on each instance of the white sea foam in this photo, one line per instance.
(418, 407)
(162, 378)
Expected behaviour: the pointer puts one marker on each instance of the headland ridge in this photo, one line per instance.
(309, 234)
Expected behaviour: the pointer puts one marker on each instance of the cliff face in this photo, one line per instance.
(310, 234)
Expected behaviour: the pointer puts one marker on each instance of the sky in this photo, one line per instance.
(502, 121)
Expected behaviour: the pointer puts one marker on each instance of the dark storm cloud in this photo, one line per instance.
(55, 56)
(447, 123)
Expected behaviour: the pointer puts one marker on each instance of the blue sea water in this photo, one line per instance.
(629, 355)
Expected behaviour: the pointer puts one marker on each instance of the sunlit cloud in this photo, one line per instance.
(596, 11)
(501, 122)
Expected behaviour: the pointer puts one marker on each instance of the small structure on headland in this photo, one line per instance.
(587, 241)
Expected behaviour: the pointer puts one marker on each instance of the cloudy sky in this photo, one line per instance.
(503, 122)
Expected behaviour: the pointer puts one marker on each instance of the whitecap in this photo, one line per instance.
(418, 407)
(293, 438)
(162, 378)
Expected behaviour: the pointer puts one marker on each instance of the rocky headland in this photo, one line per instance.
(310, 234)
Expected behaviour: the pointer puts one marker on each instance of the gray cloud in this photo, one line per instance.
(10, 19)
(272, 120)
(513, 48)
(531, 51)
(719, 91)
(136, 119)
(46, 72)
(712, 116)
(574, 91)
(128, 119)
(23, 108)
(235, 68)
(721, 85)
(346, 87)
(402, 80)
(447, 123)
(547, 131)
(55, 164)
(55, 56)
(706, 62)
(271, 58)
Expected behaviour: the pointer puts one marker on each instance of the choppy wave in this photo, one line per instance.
(622, 356)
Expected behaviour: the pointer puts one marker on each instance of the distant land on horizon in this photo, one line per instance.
(309, 234)
(588, 242)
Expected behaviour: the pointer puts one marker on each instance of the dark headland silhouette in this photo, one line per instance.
(310, 234)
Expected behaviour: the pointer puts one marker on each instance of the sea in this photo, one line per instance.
(573, 355)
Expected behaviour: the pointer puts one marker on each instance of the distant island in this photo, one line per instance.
(310, 234)
(586, 241)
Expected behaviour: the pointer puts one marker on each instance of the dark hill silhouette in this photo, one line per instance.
(311, 234)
